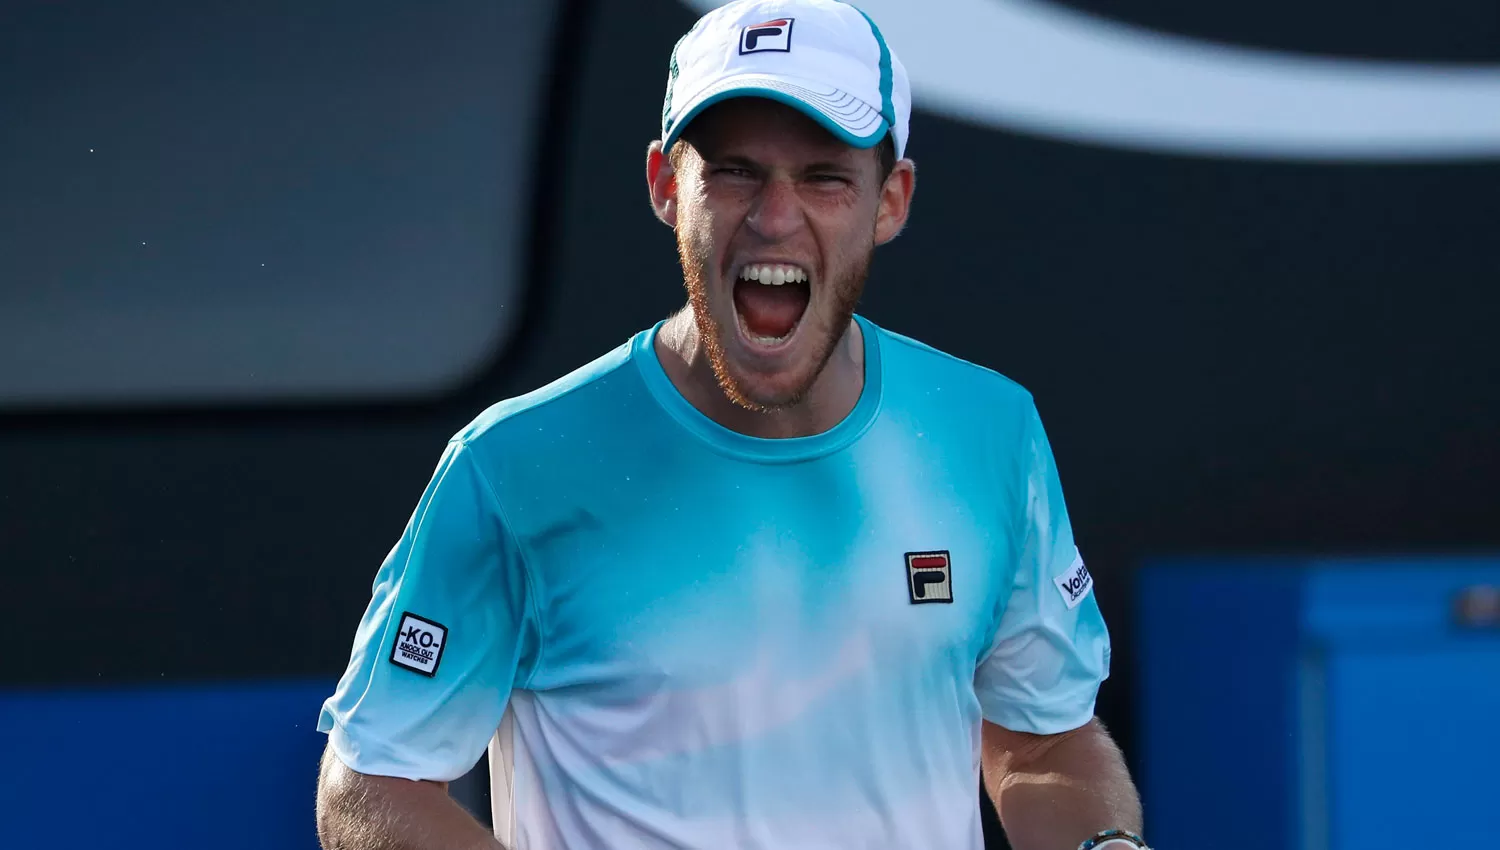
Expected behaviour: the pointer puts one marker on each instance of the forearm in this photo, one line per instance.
(357, 812)
(1053, 793)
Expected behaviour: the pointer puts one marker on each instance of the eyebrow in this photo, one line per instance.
(830, 165)
(734, 160)
(819, 167)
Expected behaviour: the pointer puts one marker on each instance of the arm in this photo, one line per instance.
(447, 634)
(1052, 771)
(360, 812)
(1054, 791)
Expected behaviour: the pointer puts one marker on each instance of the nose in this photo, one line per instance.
(777, 211)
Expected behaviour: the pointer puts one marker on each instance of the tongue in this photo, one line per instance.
(771, 311)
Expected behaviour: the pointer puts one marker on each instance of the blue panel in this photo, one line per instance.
(1331, 702)
(233, 767)
(1351, 600)
(1217, 688)
(1414, 737)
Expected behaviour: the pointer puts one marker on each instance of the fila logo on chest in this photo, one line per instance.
(929, 576)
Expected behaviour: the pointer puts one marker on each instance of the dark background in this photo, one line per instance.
(1231, 356)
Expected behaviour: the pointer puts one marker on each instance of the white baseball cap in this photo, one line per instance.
(825, 58)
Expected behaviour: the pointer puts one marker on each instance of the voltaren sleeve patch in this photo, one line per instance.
(1074, 584)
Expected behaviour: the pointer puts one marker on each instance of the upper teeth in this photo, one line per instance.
(775, 275)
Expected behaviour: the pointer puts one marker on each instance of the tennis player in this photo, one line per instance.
(766, 576)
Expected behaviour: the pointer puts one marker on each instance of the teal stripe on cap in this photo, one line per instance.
(887, 80)
(672, 71)
(674, 132)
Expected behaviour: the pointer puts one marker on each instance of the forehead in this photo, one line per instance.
(765, 130)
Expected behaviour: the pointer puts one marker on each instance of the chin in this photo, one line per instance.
(764, 393)
(768, 375)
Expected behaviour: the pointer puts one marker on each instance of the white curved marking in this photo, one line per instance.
(755, 702)
(1037, 67)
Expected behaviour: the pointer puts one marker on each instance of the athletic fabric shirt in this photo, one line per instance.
(673, 635)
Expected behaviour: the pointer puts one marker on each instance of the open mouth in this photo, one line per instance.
(770, 300)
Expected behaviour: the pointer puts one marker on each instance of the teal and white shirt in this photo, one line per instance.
(672, 635)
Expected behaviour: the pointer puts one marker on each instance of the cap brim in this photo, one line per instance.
(848, 118)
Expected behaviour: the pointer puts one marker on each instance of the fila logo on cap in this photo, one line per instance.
(419, 644)
(842, 75)
(771, 35)
(929, 577)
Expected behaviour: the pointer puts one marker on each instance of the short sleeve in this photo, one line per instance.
(448, 632)
(1050, 651)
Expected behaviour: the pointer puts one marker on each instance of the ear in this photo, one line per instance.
(661, 181)
(895, 201)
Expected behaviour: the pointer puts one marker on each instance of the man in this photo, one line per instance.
(766, 576)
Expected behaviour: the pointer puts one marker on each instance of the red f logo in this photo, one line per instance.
(769, 36)
(929, 577)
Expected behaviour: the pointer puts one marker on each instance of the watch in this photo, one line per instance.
(1114, 839)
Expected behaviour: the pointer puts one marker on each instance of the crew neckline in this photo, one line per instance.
(762, 449)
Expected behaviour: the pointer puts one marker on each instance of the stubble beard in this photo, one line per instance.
(846, 289)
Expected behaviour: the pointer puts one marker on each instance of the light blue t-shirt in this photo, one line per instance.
(670, 634)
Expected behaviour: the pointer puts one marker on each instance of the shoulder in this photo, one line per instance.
(585, 397)
(916, 370)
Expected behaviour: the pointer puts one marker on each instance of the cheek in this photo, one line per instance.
(705, 229)
(846, 237)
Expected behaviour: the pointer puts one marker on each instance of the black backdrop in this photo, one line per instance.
(1230, 356)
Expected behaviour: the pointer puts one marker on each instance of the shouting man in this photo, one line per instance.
(768, 576)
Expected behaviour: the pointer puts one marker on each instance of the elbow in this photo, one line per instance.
(1005, 752)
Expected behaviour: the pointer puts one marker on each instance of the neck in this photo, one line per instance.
(830, 399)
